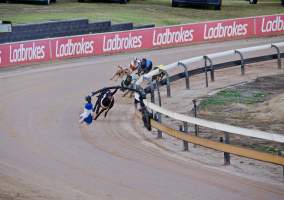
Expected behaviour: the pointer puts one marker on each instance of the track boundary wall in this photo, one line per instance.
(51, 49)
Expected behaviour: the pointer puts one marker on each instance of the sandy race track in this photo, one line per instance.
(46, 154)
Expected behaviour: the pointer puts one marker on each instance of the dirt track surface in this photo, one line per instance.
(46, 154)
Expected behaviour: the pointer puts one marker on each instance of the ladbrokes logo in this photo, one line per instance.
(272, 25)
(223, 31)
(22, 54)
(74, 48)
(120, 43)
(172, 37)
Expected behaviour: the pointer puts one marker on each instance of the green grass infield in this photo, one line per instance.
(139, 12)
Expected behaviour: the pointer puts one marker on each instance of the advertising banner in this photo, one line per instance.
(176, 35)
(228, 29)
(269, 25)
(25, 52)
(4, 55)
(128, 41)
(72, 47)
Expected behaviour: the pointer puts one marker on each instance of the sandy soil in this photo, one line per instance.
(17, 184)
(266, 115)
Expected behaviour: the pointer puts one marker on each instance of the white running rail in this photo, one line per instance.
(213, 55)
(217, 126)
(209, 124)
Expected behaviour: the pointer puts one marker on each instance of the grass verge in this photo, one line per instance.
(230, 96)
(139, 12)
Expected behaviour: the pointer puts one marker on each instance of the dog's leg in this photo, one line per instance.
(98, 107)
(98, 114)
(112, 77)
(115, 75)
(131, 94)
(120, 76)
(125, 93)
(110, 106)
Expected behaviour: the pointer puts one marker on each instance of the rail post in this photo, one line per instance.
(211, 68)
(152, 87)
(227, 155)
(280, 154)
(152, 91)
(184, 128)
(168, 81)
(205, 69)
(278, 55)
(242, 61)
(187, 85)
(196, 128)
(160, 134)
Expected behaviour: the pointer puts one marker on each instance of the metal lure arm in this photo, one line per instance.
(141, 93)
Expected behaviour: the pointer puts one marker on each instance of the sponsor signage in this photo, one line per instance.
(4, 55)
(269, 25)
(123, 41)
(71, 47)
(134, 40)
(228, 29)
(170, 36)
(24, 52)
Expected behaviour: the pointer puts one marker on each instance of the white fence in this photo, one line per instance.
(209, 124)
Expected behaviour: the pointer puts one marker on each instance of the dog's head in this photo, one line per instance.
(132, 66)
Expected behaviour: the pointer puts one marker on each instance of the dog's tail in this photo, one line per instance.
(120, 67)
